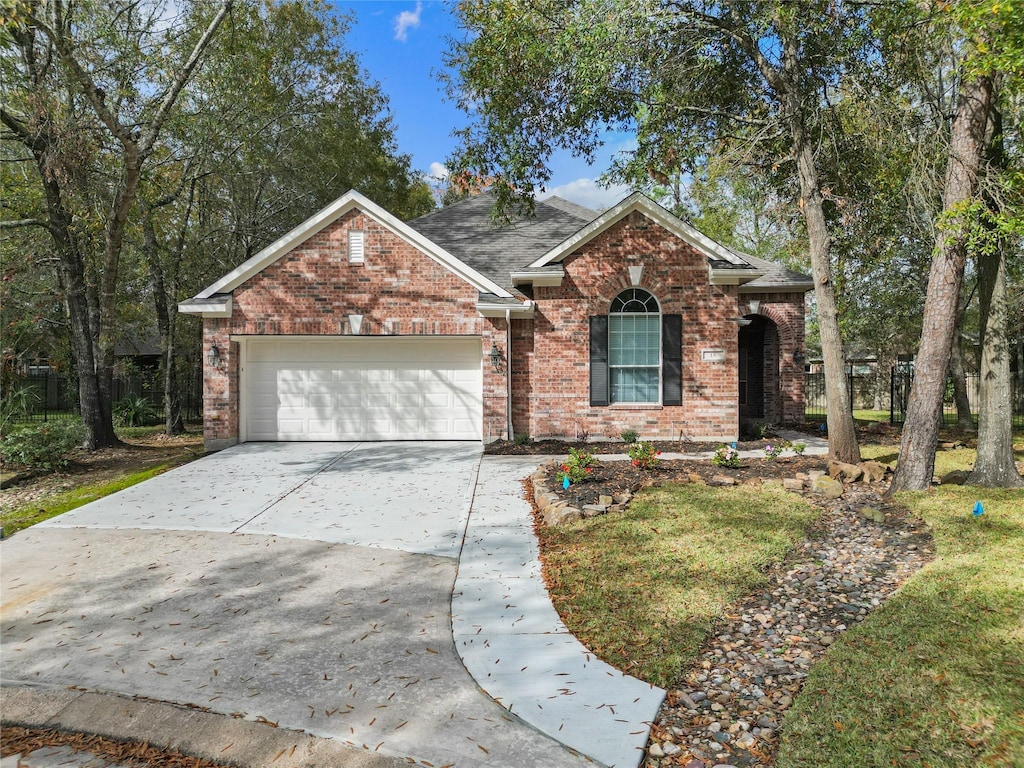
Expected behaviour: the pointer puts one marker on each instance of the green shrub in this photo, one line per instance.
(726, 456)
(577, 467)
(134, 412)
(17, 403)
(629, 436)
(643, 455)
(42, 446)
(523, 439)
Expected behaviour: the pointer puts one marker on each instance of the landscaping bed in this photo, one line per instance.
(30, 496)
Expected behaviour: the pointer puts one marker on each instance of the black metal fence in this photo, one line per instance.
(56, 396)
(882, 392)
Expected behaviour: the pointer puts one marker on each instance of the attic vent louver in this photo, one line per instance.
(355, 247)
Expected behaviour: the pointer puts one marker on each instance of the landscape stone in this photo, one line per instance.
(605, 501)
(723, 480)
(827, 487)
(560, 513)
(873, 514)
(874, 471)
(593, 510)
(847, 473)
(793, 484)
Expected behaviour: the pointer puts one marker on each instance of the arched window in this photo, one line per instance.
(634, 347)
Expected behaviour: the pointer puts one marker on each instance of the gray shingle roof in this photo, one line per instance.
(467, 231)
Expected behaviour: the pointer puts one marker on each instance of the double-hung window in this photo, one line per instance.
(634, 347)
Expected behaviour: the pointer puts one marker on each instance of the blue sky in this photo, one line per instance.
(400, 43)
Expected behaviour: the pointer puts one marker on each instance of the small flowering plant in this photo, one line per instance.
(577, 467)
(643, 455)
(773, 450)
(726, 456)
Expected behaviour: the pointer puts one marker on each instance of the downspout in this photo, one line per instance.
(508, 373)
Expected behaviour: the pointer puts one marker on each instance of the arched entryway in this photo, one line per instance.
(759, 385)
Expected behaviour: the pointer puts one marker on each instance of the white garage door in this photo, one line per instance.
(363, 389)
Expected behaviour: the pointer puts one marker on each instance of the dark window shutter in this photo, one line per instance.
(599, 360)
(672, 360)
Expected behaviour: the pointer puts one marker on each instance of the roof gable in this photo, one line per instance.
(719, 255)
(317, 222)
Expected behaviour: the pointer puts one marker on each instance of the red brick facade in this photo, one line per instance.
(550, 382)
(400, 290)
(312, 290)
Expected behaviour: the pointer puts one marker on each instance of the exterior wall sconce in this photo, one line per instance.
(799, 356)
(214, 356)
(755, 304)
(495, 357)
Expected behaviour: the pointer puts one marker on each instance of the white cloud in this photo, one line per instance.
(407, 20)
(589, 193)
(438, 171)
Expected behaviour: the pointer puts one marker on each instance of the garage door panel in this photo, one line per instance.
(358, 389)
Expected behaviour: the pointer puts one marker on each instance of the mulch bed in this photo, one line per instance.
(555, 447)
(609, 478)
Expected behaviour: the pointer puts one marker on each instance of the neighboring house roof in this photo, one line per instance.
(467, 230)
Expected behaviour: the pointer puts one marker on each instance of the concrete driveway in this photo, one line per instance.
(306, 585)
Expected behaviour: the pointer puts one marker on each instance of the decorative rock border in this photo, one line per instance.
(555, 510)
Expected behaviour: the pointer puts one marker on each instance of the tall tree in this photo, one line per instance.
(87, 90)
(991, 38)
(692, 78)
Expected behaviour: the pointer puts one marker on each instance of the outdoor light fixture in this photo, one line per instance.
(798, 356)
(214, 356)
(495, 356)
(755, 304)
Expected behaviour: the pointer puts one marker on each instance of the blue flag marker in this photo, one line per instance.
(734, 445)
(565, 482)
(979, 509)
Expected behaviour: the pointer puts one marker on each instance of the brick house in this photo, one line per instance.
(358, 326)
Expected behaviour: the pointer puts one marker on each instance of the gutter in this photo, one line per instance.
(508, 374)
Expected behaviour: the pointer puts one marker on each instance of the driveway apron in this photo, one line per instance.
(334, 619)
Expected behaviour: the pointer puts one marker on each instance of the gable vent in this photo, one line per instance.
(355, 246)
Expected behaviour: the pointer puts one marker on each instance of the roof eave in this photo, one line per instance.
(539, 279)
(732, 276)
(213, 306)
(487, 309)
(788, 287)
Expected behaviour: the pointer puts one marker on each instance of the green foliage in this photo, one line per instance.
(134, 411)
(726, 456)
(577, 467)
(643, 455)
(523, 439)
(629, 436)
(799, 448)
(16, 404)
(42, 446)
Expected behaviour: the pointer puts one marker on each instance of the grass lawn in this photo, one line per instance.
(935, 677)
(94, 476)
(641, 589)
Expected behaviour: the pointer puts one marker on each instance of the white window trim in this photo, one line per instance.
(660, 365)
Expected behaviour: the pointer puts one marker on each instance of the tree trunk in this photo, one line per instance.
(967, 149)
(842, 435)
(994, 466)
(964, 419)
(174, 424)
